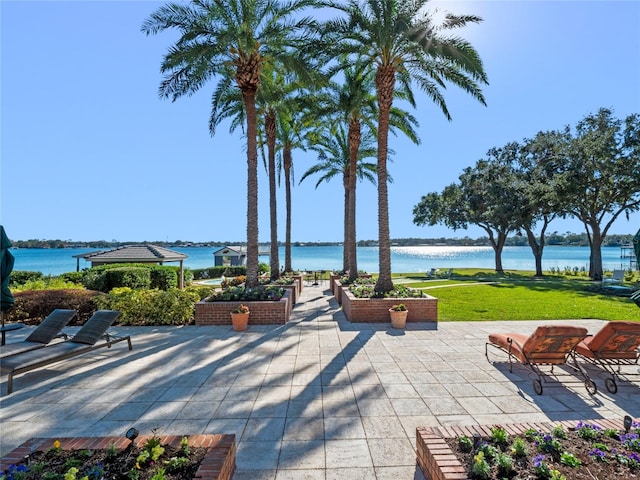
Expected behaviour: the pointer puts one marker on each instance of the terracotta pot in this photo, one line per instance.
(398, 318)
(239, 321)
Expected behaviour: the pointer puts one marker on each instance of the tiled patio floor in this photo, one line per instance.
(317, 398)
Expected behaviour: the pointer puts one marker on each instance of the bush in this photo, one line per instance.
(20, 277)
(151, 307)
(47, 283)
(73, 277)
(270, 292)
(32, 306)
(164, 278)
(217, 272)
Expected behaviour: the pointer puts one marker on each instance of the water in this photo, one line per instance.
(403, 259)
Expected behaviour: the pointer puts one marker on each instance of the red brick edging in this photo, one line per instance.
(219, 462)
(438, 462)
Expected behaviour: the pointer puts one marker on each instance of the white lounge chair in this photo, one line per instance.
(617, 277)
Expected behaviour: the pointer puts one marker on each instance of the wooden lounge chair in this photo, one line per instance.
(91, 336)
(548, 345)
(43, 334)
(614, 345)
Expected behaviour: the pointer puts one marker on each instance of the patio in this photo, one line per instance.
(316, 398)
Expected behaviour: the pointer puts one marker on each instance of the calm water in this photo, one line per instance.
(403, 259)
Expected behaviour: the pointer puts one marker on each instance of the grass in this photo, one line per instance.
(473, 294)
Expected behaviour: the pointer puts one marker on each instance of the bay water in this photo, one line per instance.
(403, 259)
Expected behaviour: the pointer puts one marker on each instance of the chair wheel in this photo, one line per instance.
(610, 383)
(537, 387)
(591, 387)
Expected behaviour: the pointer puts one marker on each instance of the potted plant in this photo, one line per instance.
(398, 314)
(240, 317)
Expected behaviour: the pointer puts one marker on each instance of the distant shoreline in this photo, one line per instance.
(553, 239)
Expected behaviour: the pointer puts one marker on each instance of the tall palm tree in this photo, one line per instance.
(406, 44)
(352, 102)
(334, 147)
(231, 39)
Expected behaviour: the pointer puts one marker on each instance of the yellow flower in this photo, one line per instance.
(56, 444)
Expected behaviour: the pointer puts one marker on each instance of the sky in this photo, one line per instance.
(89, 151)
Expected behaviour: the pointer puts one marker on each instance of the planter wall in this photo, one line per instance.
(262, 312)
(219, 462)
(332, 278)
(337, 291)
(376, 310)
(298, 280)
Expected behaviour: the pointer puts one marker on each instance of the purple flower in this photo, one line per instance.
(538, 460)
(598, 454)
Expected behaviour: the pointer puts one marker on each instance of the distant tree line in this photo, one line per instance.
(555, 238)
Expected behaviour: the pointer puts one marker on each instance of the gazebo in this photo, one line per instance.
(135, 254)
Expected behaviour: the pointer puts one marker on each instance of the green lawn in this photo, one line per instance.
(484, 295)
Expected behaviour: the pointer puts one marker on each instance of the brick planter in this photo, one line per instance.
(218, 463)
(262, 312)
(423, 309)
(337, 291)
(438, 462)
(332, 278)
(298, 281)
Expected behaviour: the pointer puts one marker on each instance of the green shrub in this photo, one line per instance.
(20, 277)
(132, 277)
(217, 272)
(151, 307)
(32, 306)
(47, 283)
(73, 277)
(164, 278)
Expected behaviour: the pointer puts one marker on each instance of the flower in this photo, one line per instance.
(400, 307)
(241, 309)
(56, 444)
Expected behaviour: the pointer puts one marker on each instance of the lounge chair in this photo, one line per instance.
(548, 345)
(614, 345)
(43, 334)
(616, 277)
(635, 297)
(432, 273)
(91, 336)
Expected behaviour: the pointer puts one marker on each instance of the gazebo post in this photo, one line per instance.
(181, 278)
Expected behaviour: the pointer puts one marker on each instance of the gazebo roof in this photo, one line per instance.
(134, 253)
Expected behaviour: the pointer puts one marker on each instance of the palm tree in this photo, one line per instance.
(334, 147)
(231, 39)
(405, 43)
(353, 102)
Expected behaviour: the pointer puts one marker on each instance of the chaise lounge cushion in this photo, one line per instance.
(615, 340)
(548, 344)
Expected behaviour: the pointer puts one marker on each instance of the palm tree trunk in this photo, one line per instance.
(351, 245)
(270, 127)
(249, 99)
(385, 81)
(286, 155)
(345, 242)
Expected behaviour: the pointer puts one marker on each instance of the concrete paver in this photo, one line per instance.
(317, 398)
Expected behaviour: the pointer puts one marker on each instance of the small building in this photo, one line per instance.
(230, 256)
(135, 254)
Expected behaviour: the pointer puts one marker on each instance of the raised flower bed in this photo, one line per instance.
(376, 310)
(263, 312)
(218, 463)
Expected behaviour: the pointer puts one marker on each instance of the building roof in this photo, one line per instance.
(237, 249)
(134, 253)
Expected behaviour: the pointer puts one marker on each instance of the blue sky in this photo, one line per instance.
(90, 152)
